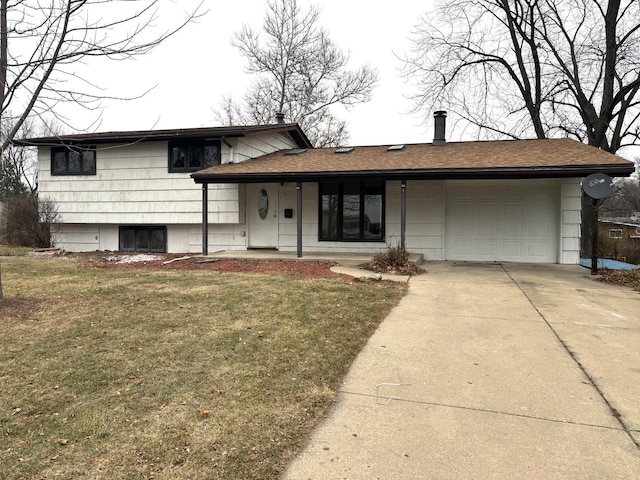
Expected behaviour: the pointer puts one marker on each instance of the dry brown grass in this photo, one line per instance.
(111, 373)
(626, 278)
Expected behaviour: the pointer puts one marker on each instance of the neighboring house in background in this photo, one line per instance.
(619, 239)
(515, 200)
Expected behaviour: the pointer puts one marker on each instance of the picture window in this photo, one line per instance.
(352, 211)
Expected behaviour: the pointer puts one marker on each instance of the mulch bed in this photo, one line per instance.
(187, 262)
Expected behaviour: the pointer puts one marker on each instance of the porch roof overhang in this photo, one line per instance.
(510, 159)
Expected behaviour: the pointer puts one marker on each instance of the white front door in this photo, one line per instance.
(262, 206)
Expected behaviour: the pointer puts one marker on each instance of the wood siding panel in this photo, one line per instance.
(252, 147)
(425, 220)
(570, 207)
(132, 185)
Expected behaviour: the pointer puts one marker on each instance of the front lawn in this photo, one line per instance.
(170, 374)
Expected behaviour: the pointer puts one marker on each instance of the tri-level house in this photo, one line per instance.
(238, 188)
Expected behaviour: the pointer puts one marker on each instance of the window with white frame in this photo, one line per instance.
(615, 233)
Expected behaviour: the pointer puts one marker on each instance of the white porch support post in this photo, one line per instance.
(299, 219)
(403, 212)
(205, 218)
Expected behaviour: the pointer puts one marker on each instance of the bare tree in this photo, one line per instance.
(541, 68)
(19, 165)
(522, 68)
(45, 49)
(624, 200)
(300, 73)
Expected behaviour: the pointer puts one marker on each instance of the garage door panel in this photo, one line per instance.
(487, 248)
(537, 249)
(512, 249)
(502, 220)
(538, 226)
(460, 245)
(512, 226)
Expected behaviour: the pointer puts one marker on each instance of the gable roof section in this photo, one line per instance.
(138, 136)
(492, 159)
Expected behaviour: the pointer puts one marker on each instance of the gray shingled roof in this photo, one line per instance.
(491, 159)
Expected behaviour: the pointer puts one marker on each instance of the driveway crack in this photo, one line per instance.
(614, 412)
(481, 410)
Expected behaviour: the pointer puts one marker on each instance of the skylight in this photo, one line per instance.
(395, 148)
(344, 150)
(296, 151)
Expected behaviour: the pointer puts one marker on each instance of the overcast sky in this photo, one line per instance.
(196, 67)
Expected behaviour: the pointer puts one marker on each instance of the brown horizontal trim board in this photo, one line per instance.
(138, 136)
(507, 159)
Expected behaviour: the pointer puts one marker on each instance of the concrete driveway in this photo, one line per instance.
(491, 371)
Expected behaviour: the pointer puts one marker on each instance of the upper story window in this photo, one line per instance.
(73, 160)
(193, 155)
(615, 233)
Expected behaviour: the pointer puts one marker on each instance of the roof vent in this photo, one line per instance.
(296, 151)
(440, 127)
(395, 148)
(344, 150)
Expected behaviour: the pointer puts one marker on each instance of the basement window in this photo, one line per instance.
(143, 238)
(615, 233)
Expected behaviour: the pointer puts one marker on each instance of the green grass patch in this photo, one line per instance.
(120, 373)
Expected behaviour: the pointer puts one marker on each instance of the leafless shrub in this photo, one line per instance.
(30, 222)
(393, 260)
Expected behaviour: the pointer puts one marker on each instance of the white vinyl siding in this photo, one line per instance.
(424, 234)
(570, 212)
(253, 147)
(529, 213)
(133, 186)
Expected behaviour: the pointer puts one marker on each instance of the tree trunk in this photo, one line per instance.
(3, 78)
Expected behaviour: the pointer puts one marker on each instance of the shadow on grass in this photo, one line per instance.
(18, 309)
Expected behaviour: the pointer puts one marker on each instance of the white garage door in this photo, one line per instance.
(514, 221)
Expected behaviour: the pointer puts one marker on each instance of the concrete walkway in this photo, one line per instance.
(491, 371)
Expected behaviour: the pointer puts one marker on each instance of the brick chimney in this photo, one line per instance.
(440, 127)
